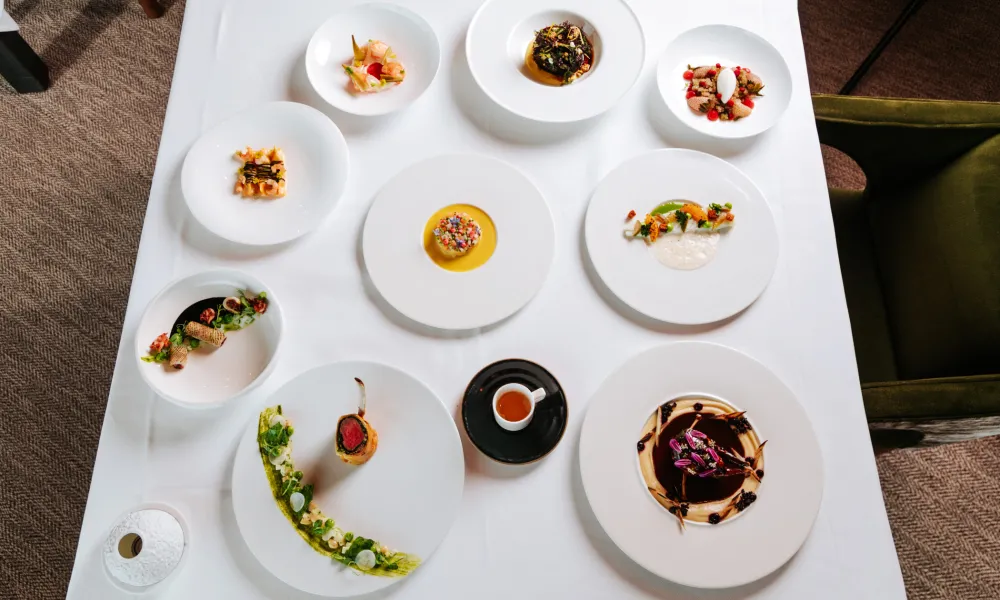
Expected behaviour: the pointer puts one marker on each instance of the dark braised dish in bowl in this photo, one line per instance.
(701, 459)
(559, 54)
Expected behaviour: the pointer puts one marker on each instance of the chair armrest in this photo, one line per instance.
(932, 411)
(895, 141)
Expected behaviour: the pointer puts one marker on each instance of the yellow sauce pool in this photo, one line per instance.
(473, 259)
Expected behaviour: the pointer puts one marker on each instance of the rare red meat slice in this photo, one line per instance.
(352, 434)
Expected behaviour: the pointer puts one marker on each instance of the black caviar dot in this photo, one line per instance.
(640, 445)
(760, 473)
(673, 510)
(698, 406)
(684, 510)
(714, 518)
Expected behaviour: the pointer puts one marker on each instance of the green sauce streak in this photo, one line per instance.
(666, 207)
(405, 563)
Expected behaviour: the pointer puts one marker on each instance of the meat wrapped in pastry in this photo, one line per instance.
(209, 335)
(357, 440)
(178, 355)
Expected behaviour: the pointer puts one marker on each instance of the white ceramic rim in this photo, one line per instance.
(141, 347)
(380, 106)
(323, 131)
(399, 266)
(575, 95)
(745, 259)
(776, 77)
(769, 532)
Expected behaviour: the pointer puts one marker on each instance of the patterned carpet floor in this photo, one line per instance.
(78, 161)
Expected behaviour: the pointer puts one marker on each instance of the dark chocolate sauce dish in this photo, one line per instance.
(701, 459)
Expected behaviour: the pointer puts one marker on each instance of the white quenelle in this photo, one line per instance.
(726, 84)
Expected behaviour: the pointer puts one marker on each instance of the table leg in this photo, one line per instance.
(20, 66)
(887, 37)
(152, 8)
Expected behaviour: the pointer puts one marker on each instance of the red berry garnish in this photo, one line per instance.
(718, 66)
(711, 73)
(688, 74)
(729, 103)
(748, 102)
(713, 115)
(701, 83)
(691, 94)
(375, 69)
(719, 96)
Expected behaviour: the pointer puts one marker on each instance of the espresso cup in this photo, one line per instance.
(532, 397)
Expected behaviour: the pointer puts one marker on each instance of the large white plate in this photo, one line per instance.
(737, 551)
(501, 31)
(407, 33)
(408, 279)
(743, 263)
(316, 158)
(212, 376)
(730, 46)
(406, 496)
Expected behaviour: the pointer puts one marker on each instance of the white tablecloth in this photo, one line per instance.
(521, 532)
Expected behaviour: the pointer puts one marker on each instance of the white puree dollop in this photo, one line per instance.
(685, 251)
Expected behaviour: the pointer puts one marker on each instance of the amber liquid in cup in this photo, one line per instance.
(513, 406)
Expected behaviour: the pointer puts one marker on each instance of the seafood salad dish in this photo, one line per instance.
(682, 234)
(356, 442)
(374, 68)
(722, 93)
(701, 459)
(261, 173)
(205, 323)
(560, 54)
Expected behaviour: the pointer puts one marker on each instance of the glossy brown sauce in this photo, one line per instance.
(683, 487)
(193, 312)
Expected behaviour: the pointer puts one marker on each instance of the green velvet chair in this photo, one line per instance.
(920, 258)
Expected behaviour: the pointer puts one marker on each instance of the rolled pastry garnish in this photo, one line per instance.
(357, 440)
(179, 355)
(204, 333)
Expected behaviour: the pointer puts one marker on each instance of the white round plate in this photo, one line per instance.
(212, 376)
(769, 532)
(499, 36)
(730, 46)
(746, 254)
(405, 497)
(406, 32)
(412, 283)
(316, 158)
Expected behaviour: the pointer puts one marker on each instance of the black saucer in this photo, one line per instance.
(514, 447)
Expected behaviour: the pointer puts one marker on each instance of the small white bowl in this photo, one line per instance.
(212, 376)
(408, 34)
(730, 46)
(316, 157)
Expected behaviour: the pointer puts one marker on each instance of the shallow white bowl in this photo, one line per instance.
(414, 285)
(767, 534)
(407, 33)
(729, 46)
(316, 157)
(212, 376)
(501, 31)
(406, 496)
(745, 258)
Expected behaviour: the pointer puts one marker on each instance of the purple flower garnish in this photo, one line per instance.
(680, 464)
(675, 445)
(689, 438)
(698, 434)
(698, 459)
(714, 455)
